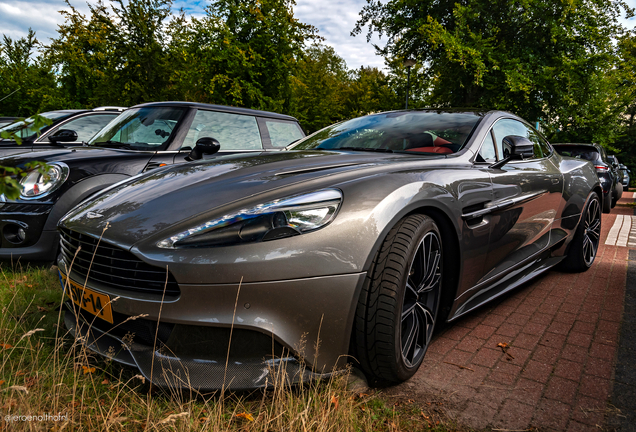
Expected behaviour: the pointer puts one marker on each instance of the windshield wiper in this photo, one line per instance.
(365, 149)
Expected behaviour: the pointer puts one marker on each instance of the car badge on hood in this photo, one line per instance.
(93, 215)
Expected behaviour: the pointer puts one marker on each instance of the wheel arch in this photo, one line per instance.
(452, 253)
(78, 193)
(451, 257)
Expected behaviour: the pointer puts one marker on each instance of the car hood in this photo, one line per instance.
(70, 155)
(181, 196)
(86, 161)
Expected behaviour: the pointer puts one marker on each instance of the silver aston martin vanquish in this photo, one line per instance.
(350, 245)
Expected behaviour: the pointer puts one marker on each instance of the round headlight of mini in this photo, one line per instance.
(37, 185)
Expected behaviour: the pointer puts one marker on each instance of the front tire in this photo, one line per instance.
(584, 245)
(399, 303)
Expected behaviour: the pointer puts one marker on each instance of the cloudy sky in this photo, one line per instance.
(334, 18)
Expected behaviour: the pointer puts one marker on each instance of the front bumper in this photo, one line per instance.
(38, 244)
(302, 326)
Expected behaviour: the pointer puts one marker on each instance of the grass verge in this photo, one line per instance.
(50, 382)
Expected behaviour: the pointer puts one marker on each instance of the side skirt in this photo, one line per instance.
(511, 281)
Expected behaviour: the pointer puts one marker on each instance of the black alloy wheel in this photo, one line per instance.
(584, 246)
(421, 299)
(399, 303)
(592, 232)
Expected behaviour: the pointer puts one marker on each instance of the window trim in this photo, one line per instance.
(531, 128)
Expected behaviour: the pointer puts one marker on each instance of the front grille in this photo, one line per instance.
(113, 266)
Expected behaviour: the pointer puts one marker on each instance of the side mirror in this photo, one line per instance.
(63, 135)
(515, 147)
(204, 146)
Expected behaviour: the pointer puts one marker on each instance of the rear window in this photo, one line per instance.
(283, 133)
(582, 152)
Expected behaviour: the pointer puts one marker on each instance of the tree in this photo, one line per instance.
(85, 57)
(243, 52)
(142, 72)
(369, 92)
(319, 84)
(27, 84)
(541, 59)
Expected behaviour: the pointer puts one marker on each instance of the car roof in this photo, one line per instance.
(222, 108)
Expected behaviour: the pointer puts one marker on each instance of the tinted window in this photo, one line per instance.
(283, 133)
(87, 126)
(233, 131)
(417, 131)
(146, 128)
(582, 152)
(506, 127)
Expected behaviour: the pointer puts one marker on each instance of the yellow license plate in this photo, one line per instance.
(89, 300)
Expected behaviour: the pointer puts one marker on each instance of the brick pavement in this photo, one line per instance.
(562, 332)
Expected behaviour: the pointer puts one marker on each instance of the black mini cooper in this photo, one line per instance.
(142, 138)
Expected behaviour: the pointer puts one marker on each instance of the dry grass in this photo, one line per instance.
(43, 371)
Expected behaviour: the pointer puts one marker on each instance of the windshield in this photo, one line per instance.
(403, 131)
(146, 128)
(25, 128)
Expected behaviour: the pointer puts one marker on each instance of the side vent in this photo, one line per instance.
(153, 165)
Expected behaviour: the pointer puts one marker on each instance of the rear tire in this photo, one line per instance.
(584, 245)
(607, 203)
(399, 303)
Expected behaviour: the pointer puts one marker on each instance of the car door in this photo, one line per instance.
(85, 126)
(237, 133)
(526, 196)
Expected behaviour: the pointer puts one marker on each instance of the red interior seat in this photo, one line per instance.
(433, 149)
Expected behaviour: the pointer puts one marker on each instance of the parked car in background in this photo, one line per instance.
(363, 235)
(607, 172)
(6, 120)
(619, 174)
(140, 139)
(626, 176)
(68, 128)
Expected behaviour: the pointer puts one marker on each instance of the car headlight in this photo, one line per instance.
(270, 221)
(37, 185)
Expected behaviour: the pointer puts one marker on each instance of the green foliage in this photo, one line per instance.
(26, 85)
(542, 59)
(83, 54)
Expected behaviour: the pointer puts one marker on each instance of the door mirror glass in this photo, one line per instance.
(63, 135)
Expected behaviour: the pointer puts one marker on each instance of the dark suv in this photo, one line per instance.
(607, 172)
(84, 124)
(142, 138)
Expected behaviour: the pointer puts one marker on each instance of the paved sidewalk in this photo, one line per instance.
(562, 331)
